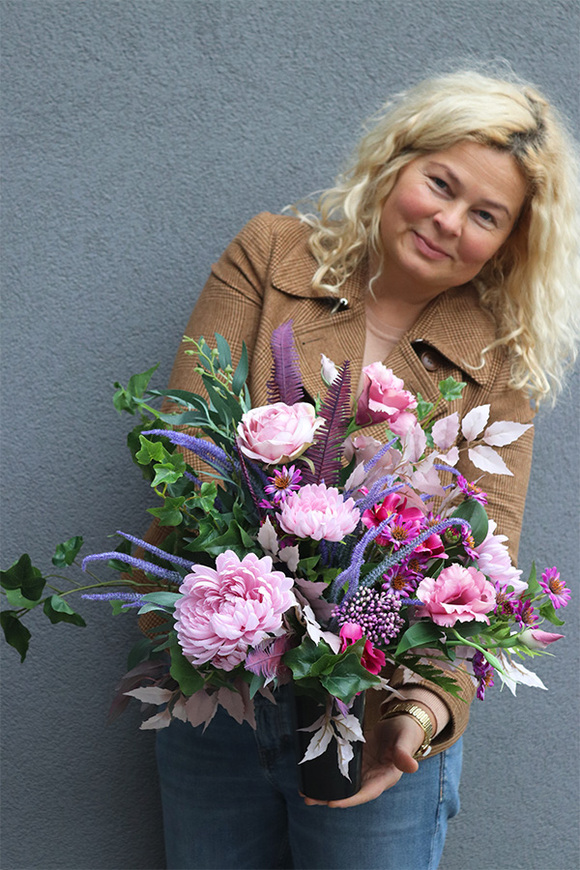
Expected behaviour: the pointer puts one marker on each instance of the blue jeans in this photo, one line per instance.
(230, 801)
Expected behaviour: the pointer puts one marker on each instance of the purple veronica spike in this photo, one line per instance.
(379, 454)
(149, 567)
(401, 554)
(206, 450)
(285, 384)
(352, 572)
(177, 560)
(134, 599)
(192, 477)
(377, 493)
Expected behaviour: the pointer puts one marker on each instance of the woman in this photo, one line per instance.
(446, 249)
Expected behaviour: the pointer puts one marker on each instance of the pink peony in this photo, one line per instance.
(278, 433)
(458, 594)
(493, 559)
(372, 659)
(317, 511)
(225, 610)
(383, 400)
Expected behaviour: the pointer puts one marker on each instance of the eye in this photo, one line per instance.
(486, 217)
(439, 183)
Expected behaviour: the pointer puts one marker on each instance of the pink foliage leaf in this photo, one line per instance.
(474, 422)
(232, 702)
(201, 708)
(151, 694)
(504, 432)
(488, 460)
(160, 720)
(445, 431)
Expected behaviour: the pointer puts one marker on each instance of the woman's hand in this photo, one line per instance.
(387, 755)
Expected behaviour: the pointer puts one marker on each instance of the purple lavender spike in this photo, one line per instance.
(176, 560)
(192, 477)
(352, 572)
(115, 596)
(377, 492)
(206, 450)
(149, 567)
(285, 384)
(379, 454)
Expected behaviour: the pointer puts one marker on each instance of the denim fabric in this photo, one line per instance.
(230, 801)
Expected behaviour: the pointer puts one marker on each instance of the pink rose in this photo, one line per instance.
(226, 610)
(278, 433)
(535, 638)
(372, 659)
(318, 511)
(383, 400)
(458, 594)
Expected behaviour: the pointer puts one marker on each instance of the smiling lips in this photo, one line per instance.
(429, 249)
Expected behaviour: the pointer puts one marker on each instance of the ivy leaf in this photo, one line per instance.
(16, 634)
(451, 389)
(169, 514)
(66, 553)
(58, 610)
(23, 575)
(16, 599)
(151, 451)
(183, 672)
(423, 407)
(169, 471)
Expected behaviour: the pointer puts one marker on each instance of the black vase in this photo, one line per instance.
(321, 778)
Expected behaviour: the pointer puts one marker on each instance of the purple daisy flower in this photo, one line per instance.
(284, 481)
(554, 587)
(484, 673)
(525, 613)
(400, 579)
(470, 490)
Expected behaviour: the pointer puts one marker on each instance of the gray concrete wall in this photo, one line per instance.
(139, 137)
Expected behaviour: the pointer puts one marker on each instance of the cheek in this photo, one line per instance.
(477, 249)
(413, 203)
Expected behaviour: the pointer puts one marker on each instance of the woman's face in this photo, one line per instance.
(447, 215)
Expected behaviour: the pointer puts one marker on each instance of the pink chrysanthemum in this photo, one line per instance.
(319, 512)
(225, 610)
(557, 590)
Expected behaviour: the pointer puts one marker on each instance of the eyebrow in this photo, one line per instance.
(487, 202)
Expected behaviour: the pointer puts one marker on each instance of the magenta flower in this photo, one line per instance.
(557, 590)
(372, 659)
(383, 400)
(400, 579)
(319, 512)
(226, 610)
(278, 433)
(525, 613)
(458, 594)
(284, 481)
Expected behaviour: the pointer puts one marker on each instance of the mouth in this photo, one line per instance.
(429, 248)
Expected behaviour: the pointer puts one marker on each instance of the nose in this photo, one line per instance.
(449, 219)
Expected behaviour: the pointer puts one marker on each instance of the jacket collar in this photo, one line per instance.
(454, 323)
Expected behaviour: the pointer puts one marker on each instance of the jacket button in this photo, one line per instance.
(429, 361)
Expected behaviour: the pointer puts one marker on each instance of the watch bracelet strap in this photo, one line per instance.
(420, 716)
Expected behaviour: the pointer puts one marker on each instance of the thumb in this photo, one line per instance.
(407, 742)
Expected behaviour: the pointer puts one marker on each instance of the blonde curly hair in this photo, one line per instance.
(531, 285)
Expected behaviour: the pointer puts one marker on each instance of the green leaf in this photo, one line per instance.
(151, 451)
(59, 610)
(169, 514)
(348, 678)
(418, 634)
(256, 684)
(423, 408)
(190, 681)
(169, 471)
(301, 659)
(534, 587)
(451, 389)
(475, 514)
(128, 399)
(66, 553)
(165, 599)
(16, 599)
(225, 356)
(16, 634)
(241, 372)
(24, 576)
(548, 611)
(139, 652)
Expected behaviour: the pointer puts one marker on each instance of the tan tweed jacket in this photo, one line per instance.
(264, 279)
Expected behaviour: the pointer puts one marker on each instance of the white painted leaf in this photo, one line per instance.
(514, 673)
(178, 711)
(159, 720)
(267, 538)
(504, 432)
(450, 458)
(201, 707)
(290, 555)
(345, 754)
(473, 423)
(415, 442)
(349, 727)
(151, 694)
(445, 431)
(488, 460)
(356, 478)
(319, 742)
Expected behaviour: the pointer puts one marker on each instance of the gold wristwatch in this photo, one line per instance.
(420, 716)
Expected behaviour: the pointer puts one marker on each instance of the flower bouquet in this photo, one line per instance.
(301, 550)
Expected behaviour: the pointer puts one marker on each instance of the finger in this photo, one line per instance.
(371, 788)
